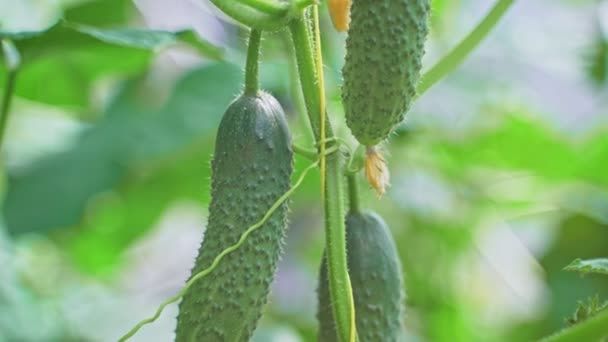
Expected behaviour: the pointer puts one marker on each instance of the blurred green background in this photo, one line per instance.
(499, 173)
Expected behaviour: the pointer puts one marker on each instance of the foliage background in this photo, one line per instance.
(498, 174)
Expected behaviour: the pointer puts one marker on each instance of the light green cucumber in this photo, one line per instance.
(251, 169)
(376, 280)
(384, 50)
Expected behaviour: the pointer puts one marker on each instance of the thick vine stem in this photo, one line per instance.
(300, 35)
(335, 243)
(353, 194)
(453, 59)
(592, 329)
(252, 83)
(12, 59)
(262, 14)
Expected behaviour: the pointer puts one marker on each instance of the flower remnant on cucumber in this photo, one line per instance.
(340, 14)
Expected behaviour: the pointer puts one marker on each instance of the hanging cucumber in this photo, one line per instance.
(251, 169)
(375, 275)
(384, 50)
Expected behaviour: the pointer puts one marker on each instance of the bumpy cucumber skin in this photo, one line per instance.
(251, 167)
(376, 279)
(384, 50)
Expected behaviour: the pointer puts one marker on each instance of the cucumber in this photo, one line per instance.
(384, 50)
(376, 279)
(251, 169)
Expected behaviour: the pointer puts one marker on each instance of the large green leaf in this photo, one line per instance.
(65, 36)
(62, 63)
(54, 192)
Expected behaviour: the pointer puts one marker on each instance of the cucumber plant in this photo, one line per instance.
(218, 309)
(361, 289)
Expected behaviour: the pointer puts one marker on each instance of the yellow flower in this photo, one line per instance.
(376, 171)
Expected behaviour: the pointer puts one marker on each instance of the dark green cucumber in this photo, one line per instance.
(384, 50)
(376, 279)
(251, 167)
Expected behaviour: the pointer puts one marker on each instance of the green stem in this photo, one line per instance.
(453, 59)
(353, 194)
(592, 330)
(12, 60)
(335, 242)
(296, 93)
(249, 16)
(262, 14)
(300, 35)
(266, 6)
(252, 83)
(303, 151)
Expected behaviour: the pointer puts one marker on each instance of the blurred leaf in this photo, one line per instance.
(26, 34)
(22, 316)
(528, 145)
(118, 218)
(19, 19)
(147, 39)
(441, 10)
(597, 61)
(577, 236)
(73, 56)
(596, 56)
(586, 310)
(599, 266)
(101, 12)
(26, 19)
(54, 192)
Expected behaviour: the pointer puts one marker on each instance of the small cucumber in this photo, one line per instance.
(384, 50)
(251, 169)
(376, 279)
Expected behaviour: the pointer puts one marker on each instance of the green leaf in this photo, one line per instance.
(64, 36)
(586, 310)
(55, 192)
(73, 56)
(22, 19)
(596, 61)
(524, 144)
(101, 12)
(597, 266)
(154, 40)
(119, 217)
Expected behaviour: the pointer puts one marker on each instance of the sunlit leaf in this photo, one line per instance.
(523, 144)
(598, 266)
